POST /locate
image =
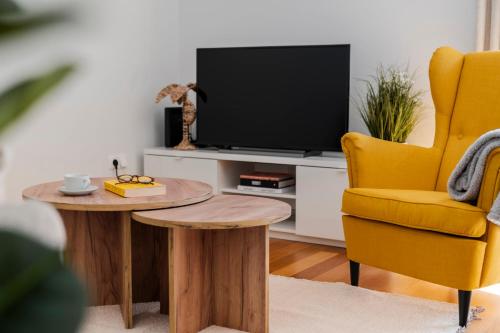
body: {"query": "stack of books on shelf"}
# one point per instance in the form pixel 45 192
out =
pixel 267 182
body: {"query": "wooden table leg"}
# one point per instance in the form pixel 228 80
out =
pixel 99 250
pixel 241 279
pixel 219 277
pixel 150 265
pixel 189 280
pixel 125 269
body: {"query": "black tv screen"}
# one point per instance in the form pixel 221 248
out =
pixel 286 97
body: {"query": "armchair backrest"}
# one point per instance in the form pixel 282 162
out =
pixel 466 94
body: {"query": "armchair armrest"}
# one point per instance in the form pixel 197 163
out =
pixel 383 164
pixel 490 187
pixel 491 181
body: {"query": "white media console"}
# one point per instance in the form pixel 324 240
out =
pixel 320 181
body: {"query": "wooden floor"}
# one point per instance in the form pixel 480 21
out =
pixel 325 263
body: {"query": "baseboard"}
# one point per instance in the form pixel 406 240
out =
pixel 305 239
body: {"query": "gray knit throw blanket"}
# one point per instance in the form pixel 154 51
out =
pixel 465 180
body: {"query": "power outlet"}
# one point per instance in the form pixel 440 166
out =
pixel 120 157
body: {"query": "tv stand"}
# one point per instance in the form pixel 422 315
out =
pixel 270 152
pixel 316 202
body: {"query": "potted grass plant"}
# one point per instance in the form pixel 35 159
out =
pixel 389 109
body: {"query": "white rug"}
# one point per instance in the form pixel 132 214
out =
pixel 302 306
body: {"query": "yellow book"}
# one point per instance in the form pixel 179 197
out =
pixel 134 190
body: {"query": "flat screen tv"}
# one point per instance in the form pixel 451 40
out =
pixel 284 97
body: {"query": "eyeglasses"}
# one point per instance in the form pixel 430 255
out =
pixel 134 179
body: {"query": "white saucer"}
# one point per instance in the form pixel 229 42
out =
pixel 86 191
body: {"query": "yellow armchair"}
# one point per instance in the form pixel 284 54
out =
pixel 398 215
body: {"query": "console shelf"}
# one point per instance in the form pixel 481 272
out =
pixel 320 182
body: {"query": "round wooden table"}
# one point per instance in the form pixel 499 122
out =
pixel 218 262
pixel 180 192
pixel 105 248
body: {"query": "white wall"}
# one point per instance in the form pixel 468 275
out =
pixel 380 32
pixel 125 51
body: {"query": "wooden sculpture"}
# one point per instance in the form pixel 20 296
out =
pixel 179 95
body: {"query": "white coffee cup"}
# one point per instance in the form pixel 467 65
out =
pixel 76 181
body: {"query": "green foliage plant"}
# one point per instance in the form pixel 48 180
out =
pixel 38 293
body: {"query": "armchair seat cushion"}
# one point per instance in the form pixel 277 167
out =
pixel 426 210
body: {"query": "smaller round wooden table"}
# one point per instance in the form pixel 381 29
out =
pixel 218 261
pixel 100 235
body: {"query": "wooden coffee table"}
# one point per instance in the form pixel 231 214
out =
pixel 100 235
pixel 218 262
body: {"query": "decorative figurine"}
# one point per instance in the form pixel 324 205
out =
pixel 179 95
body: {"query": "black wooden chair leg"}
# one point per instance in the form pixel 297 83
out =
pixel 354 269
pixel 463 306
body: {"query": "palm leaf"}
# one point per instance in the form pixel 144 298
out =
pixel 18 23
pixel 14 20
pixel 16 101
